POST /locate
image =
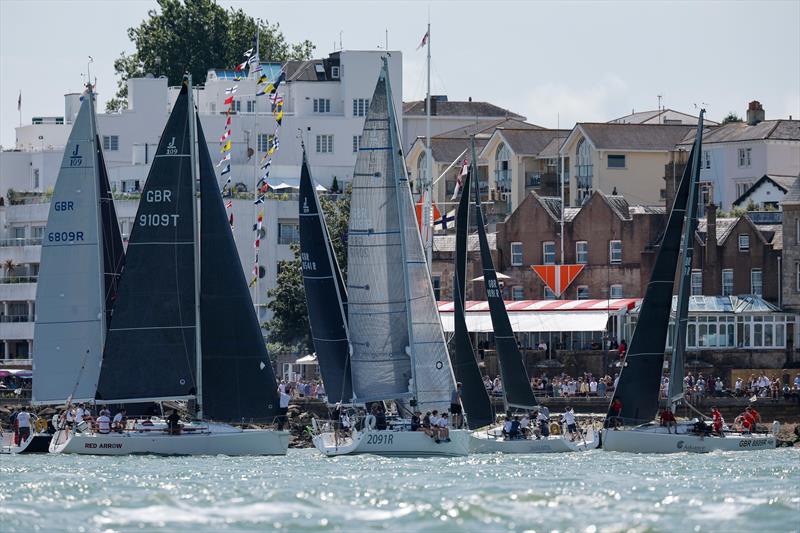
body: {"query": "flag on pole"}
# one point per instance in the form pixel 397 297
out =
pixel 19 102
pixel 225 171
pixel 248 53
pixel 424 39
pixel 228 100
pixel 240 66
pixel 231 90
pixel 226 146
pixel 226 158
pixel 225 136
pixel 229 204
pixel 259 200
pixel 459 180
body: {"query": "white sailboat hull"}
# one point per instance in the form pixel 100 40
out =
pixel 392 443
pixel 655 439
pixel 492 441
pixel 219 439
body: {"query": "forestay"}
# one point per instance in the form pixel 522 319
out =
pixel 150 349
pixel 70 296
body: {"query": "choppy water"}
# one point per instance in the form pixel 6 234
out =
pixel 588 492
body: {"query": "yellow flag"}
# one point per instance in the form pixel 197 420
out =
pixel 226 147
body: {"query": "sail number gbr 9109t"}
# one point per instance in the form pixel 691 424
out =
pixel 156 219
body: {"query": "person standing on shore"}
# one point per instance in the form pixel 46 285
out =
pixel 283 410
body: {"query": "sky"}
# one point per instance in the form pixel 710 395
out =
pixel 556 63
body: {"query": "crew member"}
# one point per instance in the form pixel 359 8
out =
pixel 667 419
pixel 455 407
pixel 718 421
pixel 23 426
pixel 103 423
pixel 173 423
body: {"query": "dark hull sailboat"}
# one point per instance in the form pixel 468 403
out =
pixel 184 326
pixel 326 297
pixel 635 402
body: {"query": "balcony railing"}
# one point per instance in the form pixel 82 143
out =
pixel 533 179
pixel 584 182
pixel 503 179
pixel 5 243
pixel 19 279
pixel 16 318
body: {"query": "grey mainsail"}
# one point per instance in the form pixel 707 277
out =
pixel 399 350
pixel 150 348
pixel 71 292
pixel 324 293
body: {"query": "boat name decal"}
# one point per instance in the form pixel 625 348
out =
pixel 94 445
pixel 755 443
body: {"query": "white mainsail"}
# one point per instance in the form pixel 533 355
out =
pixel 70 300
pixel 399 349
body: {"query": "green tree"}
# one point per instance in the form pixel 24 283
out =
pixel 289 329
pixel 731 117
pixel 195 35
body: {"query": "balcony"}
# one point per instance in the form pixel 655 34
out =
pixel 502 180
pixel 8 243
pixel 18 279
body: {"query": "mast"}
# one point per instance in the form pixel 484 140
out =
pixel 428 183
pixel 98 214
pixel 676 392
pixel 191 117
pixel 402 180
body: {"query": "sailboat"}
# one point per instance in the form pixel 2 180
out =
pixel 630 427
pixel 81 259
pixel 184 327
pixel 326 296
pixel 517 392
pixel 398 348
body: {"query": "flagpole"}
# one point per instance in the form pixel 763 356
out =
pixel 428 183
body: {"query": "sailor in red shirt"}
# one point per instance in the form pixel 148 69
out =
pixel 667 419
pixel 616 411
pixel 756 416
pixel 718 421
pixel 748 421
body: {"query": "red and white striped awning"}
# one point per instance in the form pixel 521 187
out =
pixel 542 315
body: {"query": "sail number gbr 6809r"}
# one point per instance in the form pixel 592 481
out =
pixel 156 219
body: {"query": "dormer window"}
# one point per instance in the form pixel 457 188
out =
pixel 335 73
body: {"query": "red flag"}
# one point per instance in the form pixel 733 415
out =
pixel 228 100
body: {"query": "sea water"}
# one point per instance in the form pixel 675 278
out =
pixel 591 492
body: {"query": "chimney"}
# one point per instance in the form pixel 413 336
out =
pixel 755 113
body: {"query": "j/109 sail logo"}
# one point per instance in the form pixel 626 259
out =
pixel 76 159
pixel 171 148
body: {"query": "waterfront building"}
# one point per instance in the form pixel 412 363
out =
pixel 790 261
pixel 766 193
pixel 661 116
pixel 739 154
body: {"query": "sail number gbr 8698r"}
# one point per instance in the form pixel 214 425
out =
pixel 156 219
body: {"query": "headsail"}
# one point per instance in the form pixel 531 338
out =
pixel 70 298
pixel 238 381
pixel 113 251
pixel 322 281
pixel 465 367
pixel 676 392
pixel 150 348
pixel 516 384
pixel 639 379
pixel 377 313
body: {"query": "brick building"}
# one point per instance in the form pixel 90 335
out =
pixel 790 282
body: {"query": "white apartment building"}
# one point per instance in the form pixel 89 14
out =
pixel 738 154
pixel 325 99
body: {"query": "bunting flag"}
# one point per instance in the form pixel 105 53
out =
pixel 226 147
pixel 225 171
pixel 240 66
pixel 274 89
pixel 230 220
pixel 259 200
pixel 228 101
pixel 459 180
pixel 266 165
pixel 262 79
pixel 248 53
pixel 231 90
pixel 419 206
pixel 226 183
pixel 229 204
pixel 225 136
pixel 228 122
pixel 255 69
pixel 441 222
pixel 226 158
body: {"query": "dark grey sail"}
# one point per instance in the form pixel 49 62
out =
pixel 150 346
pixel 675 391
pixel 476 402
pixel 516 384
pixel 322 281
pixel 238 381
pixel 640 377
pixel 113 251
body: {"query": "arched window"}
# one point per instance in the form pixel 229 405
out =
pixel 584 168
pixel 422 172
pixel 502 171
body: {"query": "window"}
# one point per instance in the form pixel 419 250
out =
pixel 744 242
pixel 35 178
pixel 517 293
pixel 615 252
pixel 797 230
pixel 705 194
pixel 322 105
pixel 548 294
pixel 360 107
pixel 335 73
pixel 502 171
pixel 251 106
pixel 616 161
pixel 697 282
pixel 616 291
pixel 706 159
pixel 18 232
pixel 264 141
pixel 436 279
pixel 37 232
pixel 582 252
pixel 237 106
pixel 548 253
pixel 288 232
pixel 111 143
pixel 516 254
pixel 583 292
pixel 744 157
pixel 727 282
pixel 422 170
pixel 356 143
pixel 756 286
pixel 584 168
pixel 324 144
pixel 797 276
